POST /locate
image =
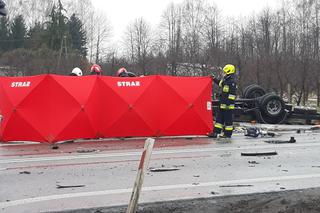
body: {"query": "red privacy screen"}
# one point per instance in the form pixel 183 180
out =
pixel 51 108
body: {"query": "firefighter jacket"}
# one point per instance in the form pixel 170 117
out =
pixel 228 91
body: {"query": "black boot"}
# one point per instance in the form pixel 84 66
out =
pixel 213 135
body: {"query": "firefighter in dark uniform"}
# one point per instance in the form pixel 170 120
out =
pixel 224 115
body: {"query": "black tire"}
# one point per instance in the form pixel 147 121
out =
pixel 274 120
pixel 271 105
pixel 253 91
pixel 263 118
pixel 246 89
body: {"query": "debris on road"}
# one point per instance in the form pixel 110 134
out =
pixel 54 146
pixel 196 176
pixel 163 169
pixel 239 129
pixel 316 127
pixel 255 132
pixel 69 186
pixel 225 155
pixel 252 132
pixel 292 140
pixel 214 193
pixel 176 166
pixel 315 166
pixel 270 134
pixel 253 162
pixel 239 185
pixel 25 172
pixel 258 153
pixel 87 150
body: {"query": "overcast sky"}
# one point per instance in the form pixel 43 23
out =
pixel 122 12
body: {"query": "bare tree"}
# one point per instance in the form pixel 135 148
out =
pixel 316 35
pixel 193 13
pixel 99 32
pixel 139 43
pixel 212 36
pixel 171 35
pixel 38 10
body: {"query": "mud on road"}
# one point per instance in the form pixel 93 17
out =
pixel 296 201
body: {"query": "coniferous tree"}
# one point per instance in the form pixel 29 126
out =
pixel 57 27
pixel 77 35
pixel 4 34
pixel 18 32
pixel 36 36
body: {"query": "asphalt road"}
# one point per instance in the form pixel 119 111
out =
pixel 102 173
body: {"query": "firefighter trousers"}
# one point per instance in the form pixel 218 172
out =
pixel 224 121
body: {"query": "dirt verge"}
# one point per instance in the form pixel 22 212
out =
pixel 297 201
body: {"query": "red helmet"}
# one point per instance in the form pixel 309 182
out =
pixel 122 72
pixel 96 69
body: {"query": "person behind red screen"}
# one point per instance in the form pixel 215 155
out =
pixel 76 72
pixel 122 72
pixel 95 70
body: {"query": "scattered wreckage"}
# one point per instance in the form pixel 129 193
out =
pixel 268 108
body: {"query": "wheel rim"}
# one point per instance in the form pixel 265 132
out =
pixel 274 107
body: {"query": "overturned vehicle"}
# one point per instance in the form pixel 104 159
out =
pixel 256 104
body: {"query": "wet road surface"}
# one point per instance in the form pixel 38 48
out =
pixel 102 173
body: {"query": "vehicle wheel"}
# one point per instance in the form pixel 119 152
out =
pixel 263 118
pixel 275 120
pixel 272 105
pixel 253 91
pixel 246 89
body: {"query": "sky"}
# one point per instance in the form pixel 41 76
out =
pixel 122 12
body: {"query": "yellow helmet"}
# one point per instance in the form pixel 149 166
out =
pixel 229 69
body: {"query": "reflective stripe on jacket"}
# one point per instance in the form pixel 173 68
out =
pixel 228 91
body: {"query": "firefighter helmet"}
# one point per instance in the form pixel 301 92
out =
pixel 77 71
pixel 229 69
pixel 122 72
pixel 96 69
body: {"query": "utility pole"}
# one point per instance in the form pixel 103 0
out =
pixel 64 47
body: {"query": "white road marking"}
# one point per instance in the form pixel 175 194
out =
pixel 159 152
pixel 21 143
pixel 153 188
